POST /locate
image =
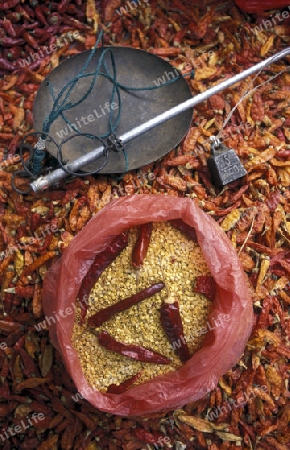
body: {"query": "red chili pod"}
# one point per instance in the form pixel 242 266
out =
pixel 63 6
pixel 9 4
pixel 55 18
pixel 107 313
pixel 145 436
pixel 132 351
pixel 206 285
pixel 72 10
pixel 283 154
pixel 9 28
pixel 11 42
pixel 35 65
pixel 13 16
pixel 32 26
pixel 6 65
pixel 45 37
pixel 123 387
pixel 38 32
pixel 40 16
pixel 30 40
pixel 76 24
pixel 29 50
pixel 9 326
pixel 187 230
pixel 142 244
pixel 29 11
pixel 172 325
pixel 14 53
pixel 29 88
pixel 22 12
pixel 29 366
pixel 101 262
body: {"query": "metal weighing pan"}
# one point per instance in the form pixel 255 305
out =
pixel 135 68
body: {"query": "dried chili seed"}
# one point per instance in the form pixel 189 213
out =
pixel 131 350
pixel 105 314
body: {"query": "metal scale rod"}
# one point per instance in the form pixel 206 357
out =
pixel 43 182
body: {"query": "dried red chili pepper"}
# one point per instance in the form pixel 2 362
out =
pixel 10 41
pixel 172 325
pixel 187 230
pixel 141 246
pixel 283 154
pixel 105 314
pixel 40 16
pixel 21 291
pixel 14 53
pixel 63 6
pixel 55 19
pixel 223 212
pixel 29 88
pixel 206 285
pixel 11 327
pixel 122 387
pixel 19 30
pixel 13 16
pixel 45 36
pixel 274 200
pixel 235 197
pixel 30 40
pixel 29 11
pixel 9 4
pixel 35 65
pixel 30 368
pixel 101 262
pixel 6 65
pixel 169 51
pixel 76 24
pixel 8 27
pixel 131 350
pixel 144 436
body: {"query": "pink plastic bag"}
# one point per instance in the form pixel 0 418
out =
pixel 222 346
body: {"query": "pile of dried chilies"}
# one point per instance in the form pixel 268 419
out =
pixel 217 39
